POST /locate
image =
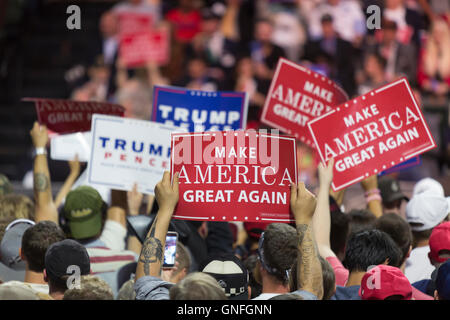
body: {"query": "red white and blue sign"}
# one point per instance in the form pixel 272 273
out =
pixel 199 111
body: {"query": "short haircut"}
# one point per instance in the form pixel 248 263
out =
pixel 280 249
pixel 420 236
pixel 183 259
pixel 91 288
pixel 361 219
pixel 250 263
pixel 369 248
pixel 127 292
pixel 16 206
pixel 197 286
pixel 398 229
pixel 36 240
pixel 328 277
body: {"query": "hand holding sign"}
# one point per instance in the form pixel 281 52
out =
pixel 39 135
pixel 303 202
pixel 167 193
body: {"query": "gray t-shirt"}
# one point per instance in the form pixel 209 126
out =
pixel 152 288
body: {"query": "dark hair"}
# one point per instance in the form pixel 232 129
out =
pixel 421 235
pixel 380 59
pixel 398 229
pixel 250 264
pixel 280 249
pixel 36 240
pixel 360 220
pixel 368 248
pixel 328 277
pixel 339 230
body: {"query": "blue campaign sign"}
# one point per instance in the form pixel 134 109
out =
pixel 199 111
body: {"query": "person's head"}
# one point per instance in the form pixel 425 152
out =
pixel 374 64
pixel 424 211
pixel 385 283
pixel 136 97
pixel 63 259
pixel 440 30
pixel 255 287
pixel 264 30
pixel 277 251
pixel 230 274
pixel 443 282
pixel 197 68
pixel 10 244
pixel 391 194
pixel 439 244
pixel 184 264
pixel 84 211
pixel 399 230
pixel 369 248
pixel 328 277
pixel 108 24
pixel 16 206
pixel 35 242
pixel 361 219
pixel 327 26
pixel 5 185
pixel 127 292
pixel 197 286
pixel 90 288
pixel 254 231
pixel 340 229
pixel 389 31
pixel 210 21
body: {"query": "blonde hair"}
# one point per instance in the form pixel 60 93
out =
pixel 197 286
pixel 12 207
pixel 91 288
pixel 437 51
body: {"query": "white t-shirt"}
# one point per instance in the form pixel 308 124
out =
pixel 418 266
pixel 266 296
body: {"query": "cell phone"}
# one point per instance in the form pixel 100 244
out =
pixel 170 249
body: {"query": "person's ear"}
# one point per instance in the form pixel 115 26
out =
pixel 257 272
pixel 22 256
pixel 409 251
pixel 386 262
pixel 436 295
pixel 249 292
pixel 45 276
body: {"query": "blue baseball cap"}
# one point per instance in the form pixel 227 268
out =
pixel 443 281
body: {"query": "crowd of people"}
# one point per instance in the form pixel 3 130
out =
pixel 82 245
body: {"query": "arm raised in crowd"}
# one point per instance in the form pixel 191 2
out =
pixel 74 166
pixel 44 205
pixel 152 253
pixel 309 269
pixel 372 194
pixel 322 219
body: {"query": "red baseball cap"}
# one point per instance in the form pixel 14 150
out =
pixel 384 281
pixel 439 240
pixel 254 229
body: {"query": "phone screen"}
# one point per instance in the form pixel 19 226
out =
pixel 170 250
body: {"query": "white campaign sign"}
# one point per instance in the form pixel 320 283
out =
pixel 66 146
pixel 127 151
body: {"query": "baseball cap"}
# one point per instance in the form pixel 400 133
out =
pixel 60 255
pixel 390 190
pixel 426 210
pixel 5 185
pixel 428 185
pixel 443 281
pixel 439 240
pixel 11 243
pixel 83 210
pixel 255 229
pixel 384 281
pixel 231 275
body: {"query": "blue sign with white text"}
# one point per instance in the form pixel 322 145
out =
pixel 199 111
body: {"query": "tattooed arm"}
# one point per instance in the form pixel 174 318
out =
pixel 152 253
pixel 309 269
pixel 44 205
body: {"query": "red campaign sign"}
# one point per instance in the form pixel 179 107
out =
pixel 372 133
pixel 67 116
pixel 298 95
pixel 234 175
pixel 131 22
pixel 137 49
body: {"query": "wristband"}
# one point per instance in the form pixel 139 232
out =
pixel 372 191
pixel 39 151
pixel 373 197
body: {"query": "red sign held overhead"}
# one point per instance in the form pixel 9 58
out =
pixel 298 95
pixel 372 133
pixel 67 116
pixel 234 176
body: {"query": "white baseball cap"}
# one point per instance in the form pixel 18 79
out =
pixel 428 185
pixel 426 210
